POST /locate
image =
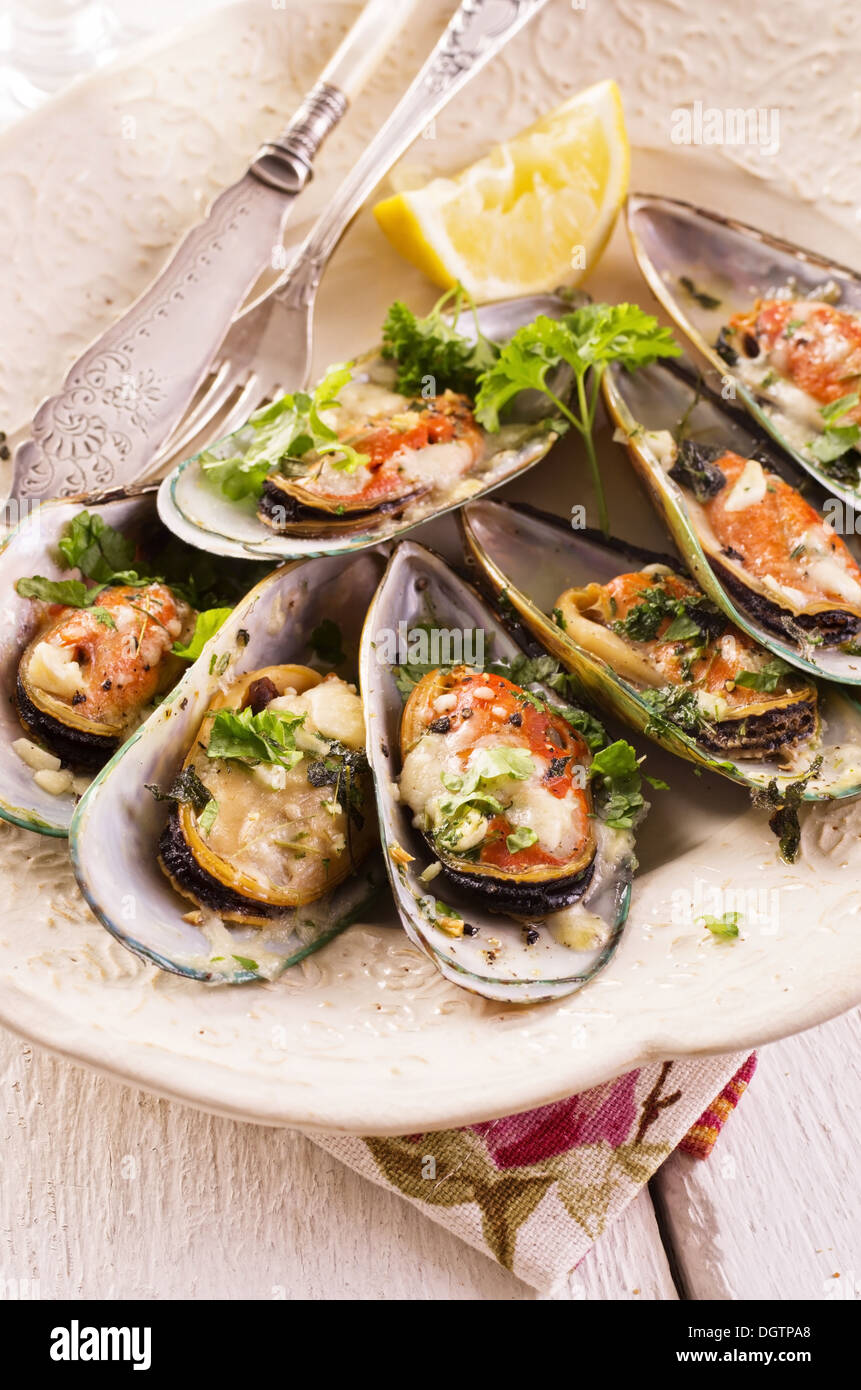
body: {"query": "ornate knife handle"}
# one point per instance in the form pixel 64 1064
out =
pixel 476 33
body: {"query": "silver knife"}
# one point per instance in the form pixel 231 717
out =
pixel 123 397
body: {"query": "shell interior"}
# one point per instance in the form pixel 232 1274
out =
pixel 198 512
pixel 419 589
pixel 704 267
pixel 115 833
pixel 653 400
pixel 504 540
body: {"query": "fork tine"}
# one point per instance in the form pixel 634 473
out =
pixel 224 382
pixel 234 412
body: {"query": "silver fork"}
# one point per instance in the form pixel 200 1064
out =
pixel 268 347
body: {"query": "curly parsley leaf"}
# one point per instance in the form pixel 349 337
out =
pixel 98 550
pixel 430 349
pixel 588 339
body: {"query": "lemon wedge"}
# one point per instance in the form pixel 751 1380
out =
pixel 534 213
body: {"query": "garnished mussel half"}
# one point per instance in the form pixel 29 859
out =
pixel 782 323
pixel 277 805
pixel 744 519
pixel 81 661
pixel 506 862
pixel 646 644
pixel 239 821
pixel 396 454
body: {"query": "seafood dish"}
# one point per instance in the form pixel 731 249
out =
pixel 646 644
pixel 107 612
pixel 251 839
pixel 379 445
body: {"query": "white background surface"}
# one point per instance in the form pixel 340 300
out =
pixel 109 1192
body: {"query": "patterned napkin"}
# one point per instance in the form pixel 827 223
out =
pixel 535 1190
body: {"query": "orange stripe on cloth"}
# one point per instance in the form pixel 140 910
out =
pixel 702 1137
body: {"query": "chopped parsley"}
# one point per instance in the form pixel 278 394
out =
pixel 767 678
pixel 725 926
pixel 617 785
pixel 705 301
pixel 267 737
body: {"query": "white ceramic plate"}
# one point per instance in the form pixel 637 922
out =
pixel 366 1035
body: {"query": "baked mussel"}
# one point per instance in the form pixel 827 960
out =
pixel 757 533
pixel 103 611
pixel 497 782
pixel 507 863
pixel 234 832
pixel 644 643
pixel 276 803
pixel 780 322
pixel 381 444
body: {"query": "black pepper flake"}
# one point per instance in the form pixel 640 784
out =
pixel 531 936
pixel 183 702
pixel 243 637
pixel 556 768
pixel 469 929
pixel 79 698
pixel 384 748
pixel 750 345
pixel 106 684
pixel 516 719
pixel 441 725
pixel 4 451
pixel 467 713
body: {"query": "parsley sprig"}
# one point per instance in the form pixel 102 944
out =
pixel 431 348
pixel 585 341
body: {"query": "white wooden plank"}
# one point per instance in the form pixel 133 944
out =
pixel 110 1193
pixel 774 1213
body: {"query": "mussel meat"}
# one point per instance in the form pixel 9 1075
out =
pixel 658 631
pixel 735 508
pixel 274 804
pixel 85 677
pixel 498 784
pixel 409 449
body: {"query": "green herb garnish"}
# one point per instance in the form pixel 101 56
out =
pixel 431 355
pixel 267 737
pixel 287 430
pixel 725 926
pixel 585 340
pixel 208 623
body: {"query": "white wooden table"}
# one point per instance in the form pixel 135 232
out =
pixel 110 1193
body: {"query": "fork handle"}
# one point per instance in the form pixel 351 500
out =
pixel 475 34
pixel 285 163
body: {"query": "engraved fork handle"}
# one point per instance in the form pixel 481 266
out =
pixel 476 33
